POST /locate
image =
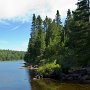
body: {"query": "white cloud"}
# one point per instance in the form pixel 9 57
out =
pixel 14 28
pixel 4 22
pixel 25 8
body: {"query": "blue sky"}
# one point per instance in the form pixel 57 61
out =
pixel 15 19
pixel 14 35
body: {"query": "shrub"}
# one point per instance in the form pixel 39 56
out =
pixel 47 69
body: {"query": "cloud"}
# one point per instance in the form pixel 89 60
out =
pixel 23 9
pixel 4 22
pixel 14 28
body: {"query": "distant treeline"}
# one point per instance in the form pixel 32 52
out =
pixel 11 55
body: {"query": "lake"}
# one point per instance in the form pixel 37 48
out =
pixel 14 77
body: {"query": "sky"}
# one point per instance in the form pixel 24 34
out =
pixel 16 18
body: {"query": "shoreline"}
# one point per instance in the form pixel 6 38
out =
pixel 66 78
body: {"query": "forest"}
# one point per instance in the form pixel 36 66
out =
pixel 56 46
pixel 6 55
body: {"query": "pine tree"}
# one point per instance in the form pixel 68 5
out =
pixel 67 25
pixel 80 33
pixel 39 40
pixel 33 28
pixel 68 46
pixel 45 23
pixel 58 18
pixel 30 54
pixel 82 11
pixel 53 38
pixel 48 34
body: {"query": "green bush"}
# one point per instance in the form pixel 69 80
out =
pixel 47 69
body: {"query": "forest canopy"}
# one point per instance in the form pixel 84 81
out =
pixel 67 45
pixel 11 55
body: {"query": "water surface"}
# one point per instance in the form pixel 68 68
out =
pixel 48 84
pixel 13 77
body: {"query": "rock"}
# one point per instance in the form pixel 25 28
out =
pixel 34 78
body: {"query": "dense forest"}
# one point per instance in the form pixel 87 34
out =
pixel 11 55
pixel 53 45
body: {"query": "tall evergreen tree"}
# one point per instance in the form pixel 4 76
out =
pixel 48 34
pixel 33 28
pixel 39 40
pixel 68 45
pixel 45 23
pixel 30 54
pixel 68 25
pixel 82 11
pixel 81 30
pixel 58 18
pixel 53 38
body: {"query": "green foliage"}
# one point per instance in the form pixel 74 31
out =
pixel 68 45
pixel 79 37
pixel 82 11
pixel 11 55
pixel 47 69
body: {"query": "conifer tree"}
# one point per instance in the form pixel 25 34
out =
pixel 81 31
pixel 45 23
pixel 82 11
pixel 39 40
pixel 67 25
pixel 58 18
pixel 30 54
pixel 68 46
pixel 48 34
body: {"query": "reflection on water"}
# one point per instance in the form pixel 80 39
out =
pixel 12 77
pixel 49 84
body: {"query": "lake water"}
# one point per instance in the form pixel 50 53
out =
pixel 13 77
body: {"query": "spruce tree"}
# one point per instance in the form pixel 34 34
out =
pixel 39 40
pixel 58 18
pixel 30 54
pixel 48 29
pixel 82 11
pixel 81 31
pixel 68 25
pixel 45 23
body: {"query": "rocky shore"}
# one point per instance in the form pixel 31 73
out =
pixel 77 76
pixel 81 75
